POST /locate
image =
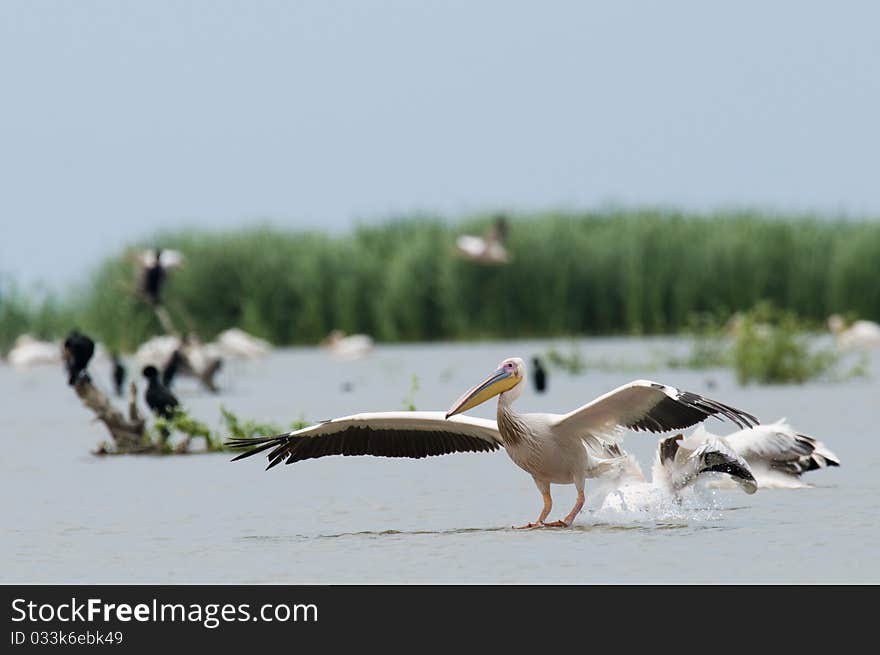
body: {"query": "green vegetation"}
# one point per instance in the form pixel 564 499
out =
pixel 236 428
pixel 572 362
pixel 186 425
pixel 409 403
pixel 771 347
pixel 765 345
pixel 615 272
pixel 159 436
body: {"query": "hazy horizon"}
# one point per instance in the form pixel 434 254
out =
pixel 121 119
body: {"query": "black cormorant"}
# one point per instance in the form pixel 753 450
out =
pixel 78 350
pixel 539 375
pixel 159 398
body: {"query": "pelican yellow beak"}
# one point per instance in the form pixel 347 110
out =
pixel 499 382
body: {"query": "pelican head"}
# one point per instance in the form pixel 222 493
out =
pixel 509 375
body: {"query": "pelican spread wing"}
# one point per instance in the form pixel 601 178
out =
pixel 646 405
pixel 779 446
pixel 383 434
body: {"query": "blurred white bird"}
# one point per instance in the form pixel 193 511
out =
pixel 28 351
pixel 352 346
pixel 235 343
pixel 486 250
pixel 859 335
pixel 156 351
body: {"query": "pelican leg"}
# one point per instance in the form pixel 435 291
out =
pixel 568 520
pixel 544 488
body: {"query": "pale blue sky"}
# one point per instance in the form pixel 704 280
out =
pixel 120 117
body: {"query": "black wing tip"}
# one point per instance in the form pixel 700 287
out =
pixel 254 444
pixel 685 409
pixel 714 408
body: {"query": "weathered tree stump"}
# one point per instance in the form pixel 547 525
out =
pixel 128 433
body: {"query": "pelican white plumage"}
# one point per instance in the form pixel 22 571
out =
pixel 28 351
pixel 195 358
pixel 553 448
pixel 488 249
pixel 235 343
pixel 156 351
pixel 860 335
pixel 351 346
pixel 678 464
pixel 776 452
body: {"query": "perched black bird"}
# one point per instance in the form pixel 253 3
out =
pixel 154 266
pixel 171 368
pixel 154 278
pixel 119 373
pixel 78 350
pixel 161 401
pixel 539 375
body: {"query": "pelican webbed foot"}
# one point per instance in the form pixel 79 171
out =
pixel 557 524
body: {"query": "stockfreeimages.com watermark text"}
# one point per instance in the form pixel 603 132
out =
pixel 209 615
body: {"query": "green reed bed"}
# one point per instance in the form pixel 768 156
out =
pixel 614 272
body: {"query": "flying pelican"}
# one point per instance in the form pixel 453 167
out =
pixel 486 250
pixel 553 448
pixel 861 334
pixel 776 452
pixel 678 464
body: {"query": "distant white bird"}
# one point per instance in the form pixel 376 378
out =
pixel 859 335
pixel 28 351
pixel 352 346
pixel 172 355
pixel 235 343
pixel 776 452
pixel 486 250
pixel 678 464
pixel 553 448
pixel 156 351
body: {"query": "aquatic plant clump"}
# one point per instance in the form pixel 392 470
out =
pixel 772 347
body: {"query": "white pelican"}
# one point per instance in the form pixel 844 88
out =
pixel 29 351
pixel 238 344
pixel 553 448
pixel 154 265
pixel 486 250
pixel 157 351
pixel 352 346
pixel 199 360
pixel 776 452
pixel 678 464
pixel 861 334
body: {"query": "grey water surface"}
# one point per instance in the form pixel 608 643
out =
pixel 72 517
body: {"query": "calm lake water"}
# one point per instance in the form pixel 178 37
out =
pixel 71 517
